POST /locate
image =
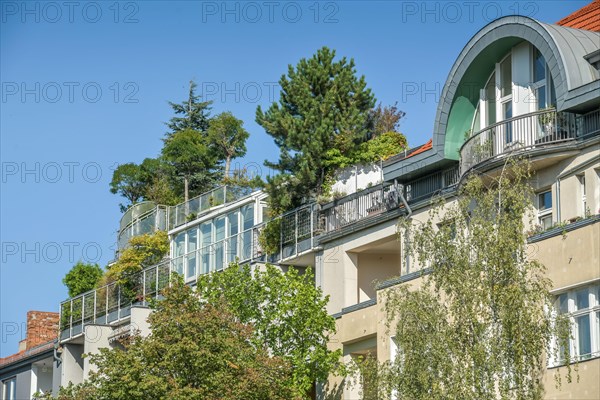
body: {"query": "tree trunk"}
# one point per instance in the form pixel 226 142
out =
pixel 186 196
pixel 227 166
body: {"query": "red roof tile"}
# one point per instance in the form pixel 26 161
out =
pixel 587 18
pixel 425 147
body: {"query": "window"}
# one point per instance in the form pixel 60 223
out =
pixel 582 192
pixel 219 246
pixel 205 246
pixel 545 209
pixel 178 252
pixel 583 307
pixel 490 100
pixel 213 244
pixel 9 388
pixel 232 234
pixel 542 80
pixel 506 77
pixel 191 258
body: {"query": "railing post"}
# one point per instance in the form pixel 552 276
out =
pixel 82 312
pixel 312 226
pixel 106 306
pixel 71 319
pixel 95 305
pixel 296 232
pixel 118 301
pixel 144 287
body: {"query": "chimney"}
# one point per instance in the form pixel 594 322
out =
pixel 42 327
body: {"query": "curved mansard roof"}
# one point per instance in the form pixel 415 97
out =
pixel 563 48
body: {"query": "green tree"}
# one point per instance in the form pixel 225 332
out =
pixel 160 185
pixel 143 251
pixel 384 119
pixel 192 159
pixel 82 278
pixel 228 135
pixel 127 181
pixel 323 105
pixel 288 314
pixel 481 324
pixel 196 351
pixel 194 114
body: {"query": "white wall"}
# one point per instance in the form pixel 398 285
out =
pixel 72 364
pixel 349 179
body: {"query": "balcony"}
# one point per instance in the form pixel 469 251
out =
pixel 300 232
pixel 526 132
pixel 199 205
pixel 139 219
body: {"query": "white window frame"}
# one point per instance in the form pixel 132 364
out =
pixel 593 311
pixel 535 85
pixel 582 193
pixel 12 381
pixel 543 214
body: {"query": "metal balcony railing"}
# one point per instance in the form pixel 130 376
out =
pixel 357 206
pixel 141 219
pixel 111 303
pixel 526 132
pixel 298 232
pixel 195 207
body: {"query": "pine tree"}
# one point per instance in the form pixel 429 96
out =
pixel 323 106
pixel 194 113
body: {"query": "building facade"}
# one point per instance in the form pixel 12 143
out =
pixel 519 87
pixel 31 370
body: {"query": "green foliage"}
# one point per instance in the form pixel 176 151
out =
pixel 365 372
pixel 82 278
pixel 288 314
pixel 385 119
pixel 381 147
pixel 192 160
pixel 151 180
pixel 481 324
pixel 191 157
pixel 196 350
pixel 127 182
pixel 323 105
pixel 270 237
pixel 194 113
pixel 143 251
pixel 227 134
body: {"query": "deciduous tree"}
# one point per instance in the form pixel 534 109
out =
pixel 482 323
pixel 197 350
pixel 288 314
pixel 227 134
pixel 82 278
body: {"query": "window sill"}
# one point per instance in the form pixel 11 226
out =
pixel 590 357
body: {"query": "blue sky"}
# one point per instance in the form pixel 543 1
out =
pixel 85 87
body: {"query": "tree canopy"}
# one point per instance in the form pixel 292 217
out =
pixel 197 350
pixel 82 278
pixel 192 158
pixel 190 114
pixel 227 134
pixel 287 313
pixel 143 251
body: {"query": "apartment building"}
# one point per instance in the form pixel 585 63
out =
pixel 519 87
pixel 31 369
